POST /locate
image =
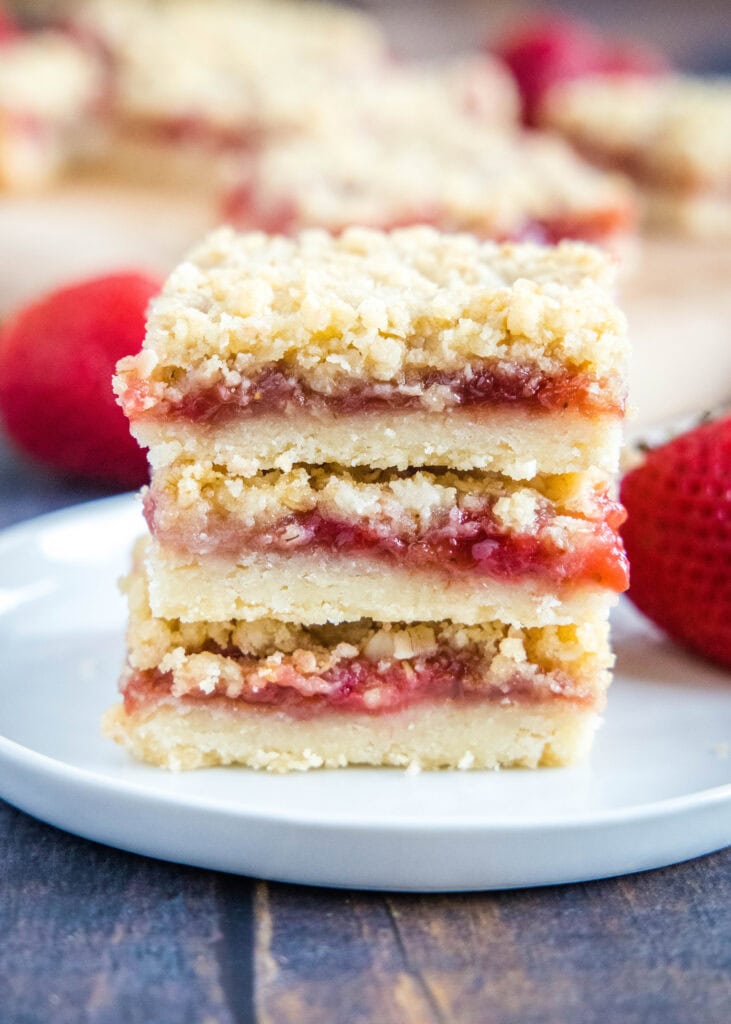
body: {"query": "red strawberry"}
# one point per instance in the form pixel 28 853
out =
pixel 8 29
pixel 678 538
pixel 57 357
pixel 549 49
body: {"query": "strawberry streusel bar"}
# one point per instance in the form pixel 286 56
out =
pixel 50 90
pixel 396 350
pixel 672 135
pixel 382 522
pixel 457 175
pixel 199 80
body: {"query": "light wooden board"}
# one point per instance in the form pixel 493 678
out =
pixel 678 298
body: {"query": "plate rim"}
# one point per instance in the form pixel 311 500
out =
pixel 11 751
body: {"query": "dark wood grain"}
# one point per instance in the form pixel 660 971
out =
pixel 89 935
pixel 647 949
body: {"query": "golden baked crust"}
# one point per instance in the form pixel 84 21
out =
pixel 316 587
pixel 506 439
pixel 447 735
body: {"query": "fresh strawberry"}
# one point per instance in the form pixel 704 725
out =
pixel 57 357
pixel 8 29
pixel 678 538
pixel 548 49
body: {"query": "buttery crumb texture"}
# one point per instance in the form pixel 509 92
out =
pixel 51 89
pixel 453 172
pixel 258 65
pixel 411 501
pixel 375 308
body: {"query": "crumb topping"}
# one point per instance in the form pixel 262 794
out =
pixel 674 130
pixel 416 98
pixel 447 170
pixel 263 62
pixel 406 503
pixel 374 307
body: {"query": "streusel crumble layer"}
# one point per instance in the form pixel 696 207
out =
pixel 227 70
pixel 418 98
pixel 252 324
pixel 204 148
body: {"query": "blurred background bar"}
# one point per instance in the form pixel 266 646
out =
pixel 695 35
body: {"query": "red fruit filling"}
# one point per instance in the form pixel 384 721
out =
pixel 362 686
pixel 196 130
pixel 457 542
pixel 598 227
pixel 276 391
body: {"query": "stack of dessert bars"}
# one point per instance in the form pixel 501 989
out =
pixel 382 521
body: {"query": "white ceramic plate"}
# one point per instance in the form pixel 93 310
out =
pixel 657 789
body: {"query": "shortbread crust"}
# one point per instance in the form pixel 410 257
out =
pixel 316 588
pixel 429 737
pixel 509 441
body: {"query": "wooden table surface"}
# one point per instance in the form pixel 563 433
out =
pixel 90 935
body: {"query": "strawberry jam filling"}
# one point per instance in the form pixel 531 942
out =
pixel 358 685
pixel 456 542
pixel 274 391
pixel 194 130
pixel 597 226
